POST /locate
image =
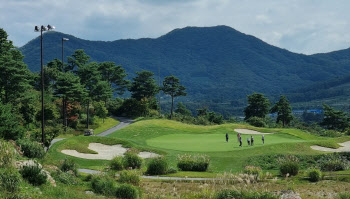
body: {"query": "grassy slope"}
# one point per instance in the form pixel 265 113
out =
pixel 159 136
pixel 148 132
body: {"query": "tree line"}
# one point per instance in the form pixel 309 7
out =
pixel 75 93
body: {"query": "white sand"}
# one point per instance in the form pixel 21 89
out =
pixel 250 132
pixel 345 147
pixel 105 152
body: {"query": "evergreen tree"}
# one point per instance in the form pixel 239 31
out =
pixel 181 109
pixel 10 128
pixel 335 120
pixel 283 110
pixel 114 75
pixel 78 59
pixel 15 77
pixel 172 87
pixel 101 110
pixel 143 86
pixel 258 106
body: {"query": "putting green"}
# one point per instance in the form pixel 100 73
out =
pixel 215 142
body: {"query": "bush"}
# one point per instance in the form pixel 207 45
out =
pixel 127 191
pixel 289 165
pixel 33 174
pixel 257 121
pixel 252 170
pixel 116 163
pixel 132 160
pixel 225 194
pixel 103 184
pixel 193 163
pixel 345 195
pixel 10 179
pixel 69 165
pixel 157 166
pixel 291 168
pixel 67 178
pixel 130 176
pixel 314 175
pixel 334 162
pixel 172 170
pixel 31 149
pixel 7 154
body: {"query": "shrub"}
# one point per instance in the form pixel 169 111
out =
pixel 257 121
pixel 7 154
pixel 157 166
pixel 33 174
pixel 10 179
pixel 314 175
pixel 252 170
pixel 291 168
pixel 127 191
pixel 69 165
pixel 129 176
pixel 225 194
pixel 345 195
pixel 193 163
pixel 67 178
pixel 31 149
pixel 334 162
pixel 103 184
pixel 132 160
pixel 116 163
pixel 289 165
pixel 172 170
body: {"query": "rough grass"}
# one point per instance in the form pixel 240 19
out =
pixel 109 123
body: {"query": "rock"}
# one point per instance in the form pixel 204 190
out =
pixel 290 195
pixel 22 163
pixel 89 192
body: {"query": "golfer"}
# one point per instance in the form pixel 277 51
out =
pixel 240 141
pixel 263 139
pixel 248 141
pixel 251 141
pixel 226 137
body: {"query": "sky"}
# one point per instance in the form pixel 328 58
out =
pixel 301 26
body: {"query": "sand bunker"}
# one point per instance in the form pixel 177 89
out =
pixel 105 152
pixel 345 147
pixel 250 132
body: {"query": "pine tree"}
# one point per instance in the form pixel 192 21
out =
pixel 283 110
pixel 172 87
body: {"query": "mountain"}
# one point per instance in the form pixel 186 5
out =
pixel 217 63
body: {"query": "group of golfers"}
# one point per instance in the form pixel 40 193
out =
pixel 249 141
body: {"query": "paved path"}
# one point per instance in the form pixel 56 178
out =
pixel 123 123
pixel 90 171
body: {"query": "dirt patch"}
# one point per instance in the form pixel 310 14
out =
pixel 250 132
pixel 105 152
pixel 345 147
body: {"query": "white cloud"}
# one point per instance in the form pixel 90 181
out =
pixel 303 26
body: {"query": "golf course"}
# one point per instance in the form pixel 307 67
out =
pixel 172 138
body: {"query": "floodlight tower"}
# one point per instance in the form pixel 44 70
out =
pixel 41 29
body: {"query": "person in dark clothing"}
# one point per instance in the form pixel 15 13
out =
pixel 251 141
pixel 248 141
pixel 263 139
pixel 240 141
pixel 226 137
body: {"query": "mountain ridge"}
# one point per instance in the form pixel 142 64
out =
pixel 218 63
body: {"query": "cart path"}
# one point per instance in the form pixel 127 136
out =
pixel 123 123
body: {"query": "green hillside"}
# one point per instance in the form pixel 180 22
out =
pixel 218 65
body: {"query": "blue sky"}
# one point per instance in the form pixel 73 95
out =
pixel 302 26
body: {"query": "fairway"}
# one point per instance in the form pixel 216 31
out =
pixel 215 142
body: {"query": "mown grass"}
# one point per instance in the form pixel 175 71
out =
pixel 172 138
pixel 178 138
